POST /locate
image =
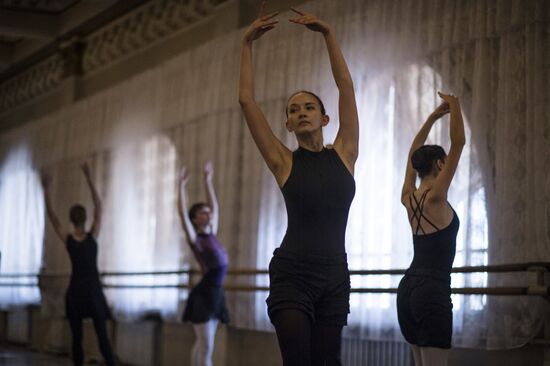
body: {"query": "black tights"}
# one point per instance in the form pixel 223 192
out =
pixel 304 344
pixel 100 326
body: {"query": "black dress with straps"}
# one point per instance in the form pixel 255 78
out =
pixel 424 306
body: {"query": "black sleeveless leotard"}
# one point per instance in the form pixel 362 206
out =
pixel 84 297
pixel 309 271
pixel 318 195
pixel 424 306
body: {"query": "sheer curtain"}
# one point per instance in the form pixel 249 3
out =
pixel 490 53
pixel 400 53
pixel 21 226
pixel 141 229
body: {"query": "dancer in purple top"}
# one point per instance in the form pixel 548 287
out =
pixel 206 302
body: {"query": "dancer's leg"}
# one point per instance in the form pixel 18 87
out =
pixel 417 355
pixel 432 356
pixel 205 333
pixel 294 334
pixel 326 343
pixel 100 326
pixel 76 331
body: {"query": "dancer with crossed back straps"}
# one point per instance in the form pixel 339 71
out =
pixel 424 306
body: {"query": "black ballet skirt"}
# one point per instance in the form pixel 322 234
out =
pixel 84 297
pixel 207 300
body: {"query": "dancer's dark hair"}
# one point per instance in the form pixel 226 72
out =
pixel 77 215
pixel 424 158
pixel 196 208
pixel 323 111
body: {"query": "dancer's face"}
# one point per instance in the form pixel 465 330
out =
pixel 439 164
pixel 304 114
pixel 203 217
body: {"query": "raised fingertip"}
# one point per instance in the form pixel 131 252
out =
pixel 296 10
pixel 267 17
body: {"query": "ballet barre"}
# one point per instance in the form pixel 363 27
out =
pixel 539 288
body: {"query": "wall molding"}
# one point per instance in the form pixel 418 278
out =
pixel 124 37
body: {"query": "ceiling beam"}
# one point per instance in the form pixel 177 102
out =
pixel 6 54
pixel 28 25
pixel 81 12
pixel 27 47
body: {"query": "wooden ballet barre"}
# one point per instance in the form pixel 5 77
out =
pixel 117 286
pixel 17 275
pixel 152 273
pixel 495 268
pixel 535 290
pixel 247 272
pixel 503 291
pixel 499 268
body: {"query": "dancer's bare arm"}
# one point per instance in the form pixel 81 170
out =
pixel 347 139
pixel 57 226
pixel 96 223
pixel 409 185
pixel 211 196
pixel 182 208
pixel 458 140
pixel 277 156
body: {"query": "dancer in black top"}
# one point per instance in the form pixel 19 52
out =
pixel 84 297
pixel 308 301
pixel 424 305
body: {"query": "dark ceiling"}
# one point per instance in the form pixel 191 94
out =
pixel 29 29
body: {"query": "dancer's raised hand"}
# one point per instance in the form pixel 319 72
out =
pixel 449 98
pixel 86 169
pixel 184 176
pixel 441 110
pixel 45 179
pixel 262 24
pixel 208 171
pixel 310 21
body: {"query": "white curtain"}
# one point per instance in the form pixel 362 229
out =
pixel 21 227
pixel 140 233
pixel 491 53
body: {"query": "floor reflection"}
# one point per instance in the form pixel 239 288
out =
pixel 14 356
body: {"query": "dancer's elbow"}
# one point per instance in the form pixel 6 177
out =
pixel 245 99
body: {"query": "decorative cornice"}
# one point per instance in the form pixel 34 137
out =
pixel 142 28
pixel 38 6
pixel 147 25
pixel 33 82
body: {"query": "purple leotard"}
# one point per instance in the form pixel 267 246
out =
pixel 206 300
pixel 211 255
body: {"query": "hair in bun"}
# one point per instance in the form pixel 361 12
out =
pixel 424 158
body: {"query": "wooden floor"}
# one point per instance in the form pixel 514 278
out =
pixel 14 356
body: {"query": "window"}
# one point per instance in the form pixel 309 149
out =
pixel 21 226
pixel 378 233
pixel 144 231
pixel 391 109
